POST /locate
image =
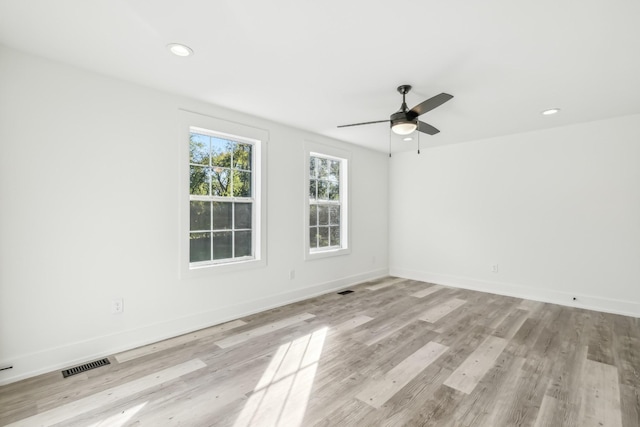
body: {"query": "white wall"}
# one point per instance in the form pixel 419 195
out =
pixel 557 210
pixel 89 190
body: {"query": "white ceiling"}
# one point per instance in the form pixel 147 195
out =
pixel 318 64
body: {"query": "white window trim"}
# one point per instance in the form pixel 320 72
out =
pixel 239 132
pixel 327 151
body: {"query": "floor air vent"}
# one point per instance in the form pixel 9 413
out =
pixel 344 292
pixel 86 367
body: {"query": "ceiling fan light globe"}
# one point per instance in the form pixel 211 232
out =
pixel 403 128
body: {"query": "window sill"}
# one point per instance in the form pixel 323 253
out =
pixel 326 254
pixel 215 269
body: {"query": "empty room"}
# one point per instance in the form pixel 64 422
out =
pixel 296 213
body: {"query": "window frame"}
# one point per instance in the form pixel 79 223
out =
pixel 313 149
pixel 244 134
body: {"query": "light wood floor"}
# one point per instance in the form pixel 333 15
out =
pixel 393 353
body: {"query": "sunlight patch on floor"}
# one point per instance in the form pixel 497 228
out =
pixel 282 394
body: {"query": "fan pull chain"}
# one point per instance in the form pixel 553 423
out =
pixel 389 147
pixel 418 145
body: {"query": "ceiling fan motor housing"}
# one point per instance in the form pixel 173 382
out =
pixel 402 117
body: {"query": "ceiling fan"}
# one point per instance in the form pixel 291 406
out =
pixel 405 121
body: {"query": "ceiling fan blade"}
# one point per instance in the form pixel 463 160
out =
pixel 365 123
pixel 428 129
pixel 428 105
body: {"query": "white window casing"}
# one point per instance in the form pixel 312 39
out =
pixel 324 230
pixel 241 136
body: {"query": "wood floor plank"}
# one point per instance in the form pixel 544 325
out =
pixel 396 319
pixel 530 305
pixel 483 312
pixel 352 365
pixel 213 397
pixel 423 399
pixel 428 291
pixel 385 284
pixel 392 329
pixel 350 324
pixel 437 313
pixel 536 372
pixel 600 396
pixel 528 394
pixel 128 411
pixel 565 378
pixel 348 414
pixel 201 408
pixel 511 324
pixel 547 412
pixel 626 350
pixel 379 391
pixel 262 330
pixel 72 409
pixel 497 394
pixel 469 373
pixel 524 338
pixel 174 342
pixel 601 337
pixel 630 405
pixel 25 400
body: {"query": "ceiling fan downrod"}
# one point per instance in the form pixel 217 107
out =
pixel 404 89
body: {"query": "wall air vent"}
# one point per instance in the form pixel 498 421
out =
pixel 86 367
pixel 345 292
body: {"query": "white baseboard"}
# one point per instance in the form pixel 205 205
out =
pixel 68 355
pixel 588 302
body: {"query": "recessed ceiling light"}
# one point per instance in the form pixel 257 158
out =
pixel 180 49
pixel 550 111
pixel 407 139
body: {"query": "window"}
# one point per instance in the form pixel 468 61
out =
pixel 221 198
pixel 327 205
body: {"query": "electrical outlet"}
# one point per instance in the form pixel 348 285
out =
pixel 292 274
pixel 494 268
pixel 117 305
pixel 373 260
